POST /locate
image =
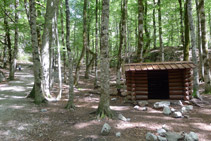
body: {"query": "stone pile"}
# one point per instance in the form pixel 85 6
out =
pixel 164 135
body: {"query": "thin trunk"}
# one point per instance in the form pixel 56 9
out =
pixel 140 31
pixel 96 44
pixel 56 34
pixel 70 103
pixel 194 53
pixel 205 56
pixel 181 24
pixel 104 104
pixel 63 42
pixel 210 25
pixel 154 25
pixel 88 42
pixel 146 29
pixel 187 35
pixel 76 79
pixel 39 98
pixel 160 32
pixel 201 66
pixel 5 52
pixel 15 52
pixel 122 44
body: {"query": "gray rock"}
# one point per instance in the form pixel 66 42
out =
pixel 43 110
pixel 165 127
pixel 151 137
pixel 142 103
pixel 184 110
pixel 189 107
pixel 161 131
pixel 136 107
pixel 180 103
pixel 177 114
pixel 118 134
pixel 173 136
pixel 191 137
pixel 173 110
pixel 144 108
pixel 166 110
pixel 106 129
pixel 161 104
pixel 121 117
pixel 161 138
pixel 114 99
pixel 2 77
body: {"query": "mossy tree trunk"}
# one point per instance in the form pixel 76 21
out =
pixel 104 104
pixel 194 53
pixel 187 35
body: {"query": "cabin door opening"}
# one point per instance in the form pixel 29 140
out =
pixel 158 87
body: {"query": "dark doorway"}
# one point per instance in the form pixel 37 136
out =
pixel 158 87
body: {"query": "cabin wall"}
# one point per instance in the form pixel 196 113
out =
pixel 180 84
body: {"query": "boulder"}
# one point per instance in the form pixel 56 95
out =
pixel 161 131
pixel 43 110
pixel 121 117
pixel 106 129
pixel 166 110
pixel 161 104
pixel 173 110
pixel 140 108
pixel 173 136
pixel 118 134
pixel 177 114
pixel 142 103
pixel 151 137
pixel 191 137
pixel 184 110
pixel 114 99
pixel 189 107
pixel 136 107
pixel 161 138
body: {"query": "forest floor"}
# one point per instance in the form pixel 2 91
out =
pixel 22 120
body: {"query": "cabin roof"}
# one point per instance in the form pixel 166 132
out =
pixel 159 66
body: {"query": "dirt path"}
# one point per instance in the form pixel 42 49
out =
pixel 21 120
pixel 16 117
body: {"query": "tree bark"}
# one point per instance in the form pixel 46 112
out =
pixel 52 7
pixel 70 103
pixel 187 34
pixel 84 43
pixel 15 51
pixel 122 45
pixel 140 30
pixel 104 104
pixel 181 23
pixel 205 56
pixel 160 32
pixel 201 66
pixel 39 98
pixel 154 25
pixel 194 53
pixel 96 44
pixel 147 45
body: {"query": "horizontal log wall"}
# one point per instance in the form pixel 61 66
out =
pixel 180 84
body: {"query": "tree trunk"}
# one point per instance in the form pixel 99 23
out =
pixel 104 104
pixel 84 43
pixel 147 45
pixel 39 98
pixel 15 52
pixel 5 52
pixel 201 66
pixel 56 34
pixel 205 56
pixel 187 34
pixel 52 7
pixel 194 53
pixel 63 42
pixel 160 32
pixel 122 44
pixel 154 25
pixel 70 103
pixel 181 23
pixel 140 31
pixel 96 44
